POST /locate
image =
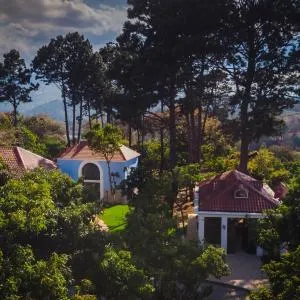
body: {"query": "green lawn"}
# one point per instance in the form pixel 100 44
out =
pixel 114 217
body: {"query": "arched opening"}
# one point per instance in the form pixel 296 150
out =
pixel 92 180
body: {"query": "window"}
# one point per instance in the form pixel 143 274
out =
pixel 90 172
pixel 241 192
pixel 91 177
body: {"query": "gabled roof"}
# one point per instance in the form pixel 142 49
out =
pixel 218 194
pixel 82 151
pixel 19 160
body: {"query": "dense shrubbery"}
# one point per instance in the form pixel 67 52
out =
pixel 40 135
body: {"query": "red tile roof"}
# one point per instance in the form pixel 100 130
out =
pixel 218 194
pixel 19 160
pixel 81 151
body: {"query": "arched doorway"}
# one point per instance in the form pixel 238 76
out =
pixel 91 174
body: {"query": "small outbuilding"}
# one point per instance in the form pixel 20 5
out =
pixel 227 208
pixel 80 161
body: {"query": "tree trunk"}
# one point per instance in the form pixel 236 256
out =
pixel 162 146
pixel 102 119
pixel 15 113
pixel 173 159
pixel 243 167
pixel 194 143
pixel 189 138
pixel 73 121
pixel 172 132
pixel 142 130
pixel 129 133
pixel 109 115
pixel 138 136
pixel 245 138
pixel 80 120
pixel 89 114
pixel 66 115
pixel 199 136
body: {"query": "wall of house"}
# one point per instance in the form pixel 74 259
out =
pixel 72 167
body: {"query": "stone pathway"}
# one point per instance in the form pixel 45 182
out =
pixel 100 225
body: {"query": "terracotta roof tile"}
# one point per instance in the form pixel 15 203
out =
pixel 81 151
pixel 217 194
pixel 12 160
pixel 18 160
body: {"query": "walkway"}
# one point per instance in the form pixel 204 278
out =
pixel 222 292
pixel 245 271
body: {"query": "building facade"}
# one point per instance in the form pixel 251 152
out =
pixel 79 161
pixel 227 209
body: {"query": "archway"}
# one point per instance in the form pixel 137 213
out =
pixel 92 178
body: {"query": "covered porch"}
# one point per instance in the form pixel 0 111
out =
pixel 232 231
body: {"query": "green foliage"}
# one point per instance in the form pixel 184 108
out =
pixel 188 175
pixel 265 166
pixel 283 153
pixel 30 141
pixel 49 212
pixel 179 268
pixel 47 136
pixel 282 224
pixel 4 172
pixel 26 206
pixel 64 62
pixel 106 140
pixel 122 278
pixel 284 277
pixel 151 151
pixel 15 81
pixel 41 135
pixel 262 293
pixel 22 275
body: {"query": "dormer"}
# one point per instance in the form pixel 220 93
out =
pixel 241 192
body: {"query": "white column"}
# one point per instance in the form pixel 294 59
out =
pixel 224 230
pixel 201 228
pixel 196 198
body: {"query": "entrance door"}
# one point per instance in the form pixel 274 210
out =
pixel 237 235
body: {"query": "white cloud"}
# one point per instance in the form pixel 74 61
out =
pixel 28 24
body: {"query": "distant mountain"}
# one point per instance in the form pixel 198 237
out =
pixel 53 109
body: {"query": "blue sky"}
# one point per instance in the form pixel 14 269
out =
pixel 26 25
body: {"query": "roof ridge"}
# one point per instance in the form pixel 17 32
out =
pixel 16 150
pixel 120 149
pixel 34 154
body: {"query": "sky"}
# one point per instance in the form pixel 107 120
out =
pixel 26 25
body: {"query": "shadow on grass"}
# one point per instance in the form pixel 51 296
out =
pixel 119 227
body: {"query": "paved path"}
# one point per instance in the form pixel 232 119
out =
pixel 222 292
pixel 245 271
pixel 100 225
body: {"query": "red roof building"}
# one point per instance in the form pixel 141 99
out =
pixel 227 207
pixel 19 160
pixel 82 151
pixel 234 191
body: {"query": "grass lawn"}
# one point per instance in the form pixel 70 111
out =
pixel 114 217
